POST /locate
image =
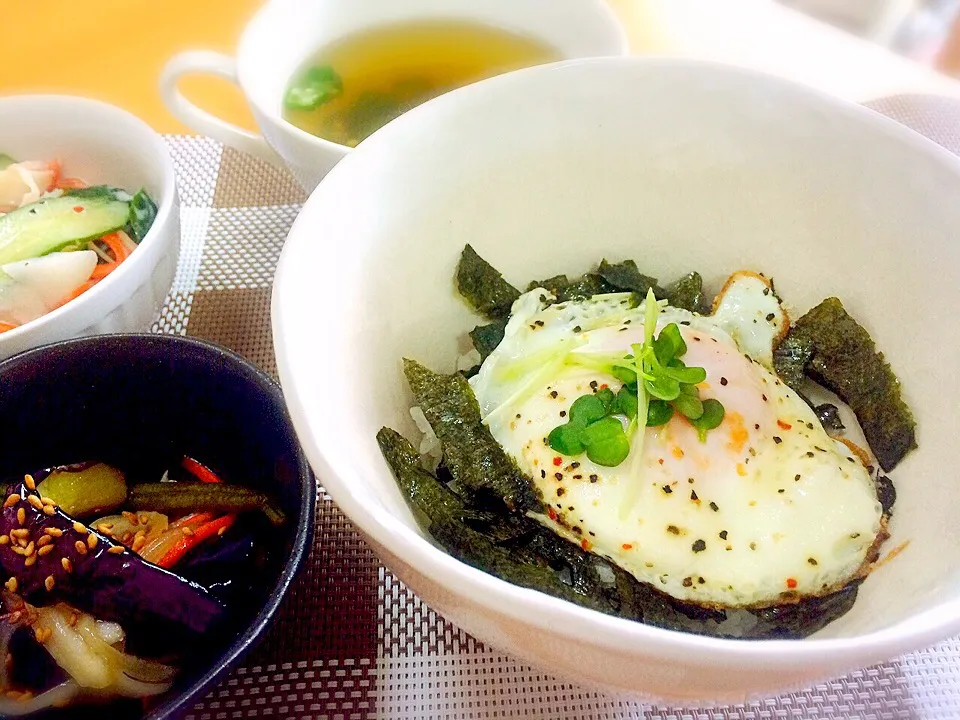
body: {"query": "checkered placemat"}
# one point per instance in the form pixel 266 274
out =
pixel 351 641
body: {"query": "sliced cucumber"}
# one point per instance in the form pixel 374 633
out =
pixel 59 223
pixel 6 161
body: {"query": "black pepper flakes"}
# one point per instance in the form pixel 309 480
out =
pixel 766 291
pixel 667 489
pixel 576 328
pixel 781 491
pixel 723 534
pixel 693 496
pixel 553 394
pixel 753 546
pixel 594 385
pixel 574 465
pixel 560 491
pixel 770 316
pixel 796 478
pixel 538 323
pixel 543 473
pixel 673 529
pixel 812 561
pixel 578 477
pixel 777 439
pixel 764 398
pixel 809 426
pixel 687 582
pixel 809 453
pixel 723 381
pixel 594 478
pixel 756 426
pixel 714 507
pixel 701 580
pixel 558 476
pixel 576 530
pixel 699 546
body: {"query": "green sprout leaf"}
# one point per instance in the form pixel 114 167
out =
pixel 712 416
pixel 659 413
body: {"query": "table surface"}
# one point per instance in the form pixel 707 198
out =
pixel 114 50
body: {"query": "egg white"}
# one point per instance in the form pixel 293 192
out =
pixel 768 508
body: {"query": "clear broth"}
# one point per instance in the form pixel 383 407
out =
pixel 385 71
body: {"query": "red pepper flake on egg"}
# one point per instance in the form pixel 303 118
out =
pixel 784 425
pixel 791 583
pixel 558 461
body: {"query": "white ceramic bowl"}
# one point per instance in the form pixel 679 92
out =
pixel 103 145
pixel 681 166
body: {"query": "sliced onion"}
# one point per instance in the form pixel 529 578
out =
pixel 56 697
pixel 55 276
pixel 71 652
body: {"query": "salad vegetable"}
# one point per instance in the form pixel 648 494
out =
pixel 59 237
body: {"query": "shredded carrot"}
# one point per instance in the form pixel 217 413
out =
pixel 79 291
pixel 200 471
pixel 189 542
pixel 119 250
pixel 70 183
pixel 7 326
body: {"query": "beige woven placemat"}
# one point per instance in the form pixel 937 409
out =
pixel 351 641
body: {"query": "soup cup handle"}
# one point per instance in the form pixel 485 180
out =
pixel 206 123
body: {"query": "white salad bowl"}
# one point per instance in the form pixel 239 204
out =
pixel 101 144
pixel 678 165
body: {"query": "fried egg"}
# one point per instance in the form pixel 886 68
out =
pixel 767 509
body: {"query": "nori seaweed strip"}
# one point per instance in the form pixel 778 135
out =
pixel 844 359
pixel 790 359
pixel 626 276
pixel 829 417
pixel 486 337
pixel 886 493
pixel 796 621
pixel 483 286
pixel 477 462
pixel 687 293
pixel 443 513
pixel 582 288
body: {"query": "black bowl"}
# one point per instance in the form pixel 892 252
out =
pixel 141 402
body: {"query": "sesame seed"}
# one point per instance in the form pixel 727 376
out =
pixel 139 541
pixel 81 547
pixel 35 502
pixel 105 528
pixel 49 583
pixel 20 533
pixel 11 585
pixel 11 500
pixel 223 530
pixel 116 550
pixel 28 481
pixel 4 539
pixel 48 510
pixel 45 550
pixel 30 561
pixel 92 541
pixel 47 501
pixel 130 517
pixel 188 532
pixel 80 528
pixel 67 565
pixel 54 532
pixel 21 516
